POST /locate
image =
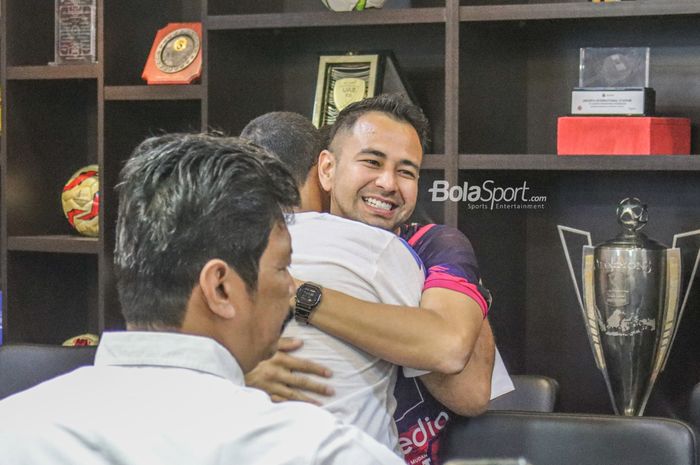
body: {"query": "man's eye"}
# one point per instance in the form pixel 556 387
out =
pixel 371 162
pixel 408 174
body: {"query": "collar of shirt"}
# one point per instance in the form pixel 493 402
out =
pixel 174 350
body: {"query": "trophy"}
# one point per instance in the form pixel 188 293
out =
pixel 176 55
pixel 631 288
pixel 613 81
pixel 349 78
pixel 74 33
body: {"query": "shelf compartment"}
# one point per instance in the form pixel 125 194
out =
pixel 50 297
pixel 130 27
pixel 53 72
pixel 516 80
pixel 277 72
pixel 144 92
pixel 64 114
pixel 576 10
pixel 285 7
pixel 55 244
pixel 327 19
pixel 551 162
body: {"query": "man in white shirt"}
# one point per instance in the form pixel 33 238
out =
pixel 201 256
pixel 387 165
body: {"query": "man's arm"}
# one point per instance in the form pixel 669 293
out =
pixel 439 336
pixel 467 393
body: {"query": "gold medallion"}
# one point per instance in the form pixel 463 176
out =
pixel 347 91
pixel 177 50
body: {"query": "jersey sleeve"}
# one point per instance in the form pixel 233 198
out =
pixel 450 262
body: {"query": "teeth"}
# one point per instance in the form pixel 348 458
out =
pixel 378 203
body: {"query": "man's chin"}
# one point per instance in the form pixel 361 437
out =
pixel 388 224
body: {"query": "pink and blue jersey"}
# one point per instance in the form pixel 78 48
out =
pixel 450 263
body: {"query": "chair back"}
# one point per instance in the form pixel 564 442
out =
pixel 533 393
pixel 695 406
pixel 562 439
pixel 25 365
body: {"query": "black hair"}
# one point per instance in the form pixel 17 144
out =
pixel 397 106
pixel 291 137
pixel 185 199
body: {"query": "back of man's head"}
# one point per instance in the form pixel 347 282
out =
pixel 396 106
pixel 291 137
pixel 185 199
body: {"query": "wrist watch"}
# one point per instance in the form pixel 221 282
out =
pixel 307 299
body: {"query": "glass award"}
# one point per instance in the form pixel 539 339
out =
pixel 613 81
pixel 75 29
pixel 610 67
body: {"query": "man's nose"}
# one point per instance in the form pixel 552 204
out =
pixel 387 180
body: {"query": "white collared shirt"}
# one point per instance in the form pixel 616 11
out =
pixel 370 264
pixel 168 398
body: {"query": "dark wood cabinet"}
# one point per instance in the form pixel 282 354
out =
pixel 492 76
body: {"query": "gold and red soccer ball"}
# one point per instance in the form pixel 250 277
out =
pixel 81 201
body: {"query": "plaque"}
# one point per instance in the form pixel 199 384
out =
pixel 344 79
pixel 630 298
pixel 176 55
pixel 74 34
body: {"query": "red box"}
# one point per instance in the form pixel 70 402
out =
pixel 622 135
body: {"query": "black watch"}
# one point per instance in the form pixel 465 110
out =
pixel 307 299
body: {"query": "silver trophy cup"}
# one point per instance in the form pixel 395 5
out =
pixel 630 304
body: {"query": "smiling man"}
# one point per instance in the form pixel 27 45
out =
pixel 374 167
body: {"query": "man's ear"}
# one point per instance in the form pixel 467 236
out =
pixel 326 169
pixel 221 286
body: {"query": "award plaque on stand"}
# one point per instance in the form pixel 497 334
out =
pixel 613 81
pixel 74 34
pixel 344 79
pixel 613 109
pixel 176 55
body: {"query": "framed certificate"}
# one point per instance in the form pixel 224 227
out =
pixel 342 80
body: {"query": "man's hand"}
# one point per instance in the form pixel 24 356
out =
pixel 282 375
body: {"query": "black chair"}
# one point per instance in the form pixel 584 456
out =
pixel 533 393
pixel 694 404
pixel 562 439
pixel 25 365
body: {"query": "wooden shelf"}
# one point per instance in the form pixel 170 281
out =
pixel 432 161
pixel 159 92
pixel 533 12
pixel 326 18
pixel 53 72
pixel 551 162
pixel 54 244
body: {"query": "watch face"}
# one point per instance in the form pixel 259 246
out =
pixel 177 50
pixel 308 295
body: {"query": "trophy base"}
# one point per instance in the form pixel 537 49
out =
pixel 622 135
pixel 632 101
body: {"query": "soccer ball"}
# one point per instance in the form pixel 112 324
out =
pixel 632 214
pixel 350 5
pixel 81 201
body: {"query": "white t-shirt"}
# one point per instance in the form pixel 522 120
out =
pixel 370 264
pixel 171 399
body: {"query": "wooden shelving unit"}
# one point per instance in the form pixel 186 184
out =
pixel 492 76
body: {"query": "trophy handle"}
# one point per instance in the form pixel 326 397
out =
pixel 590 313
pixel 688 287
pixel 588 310
pixel 671 316
pixel 587 235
